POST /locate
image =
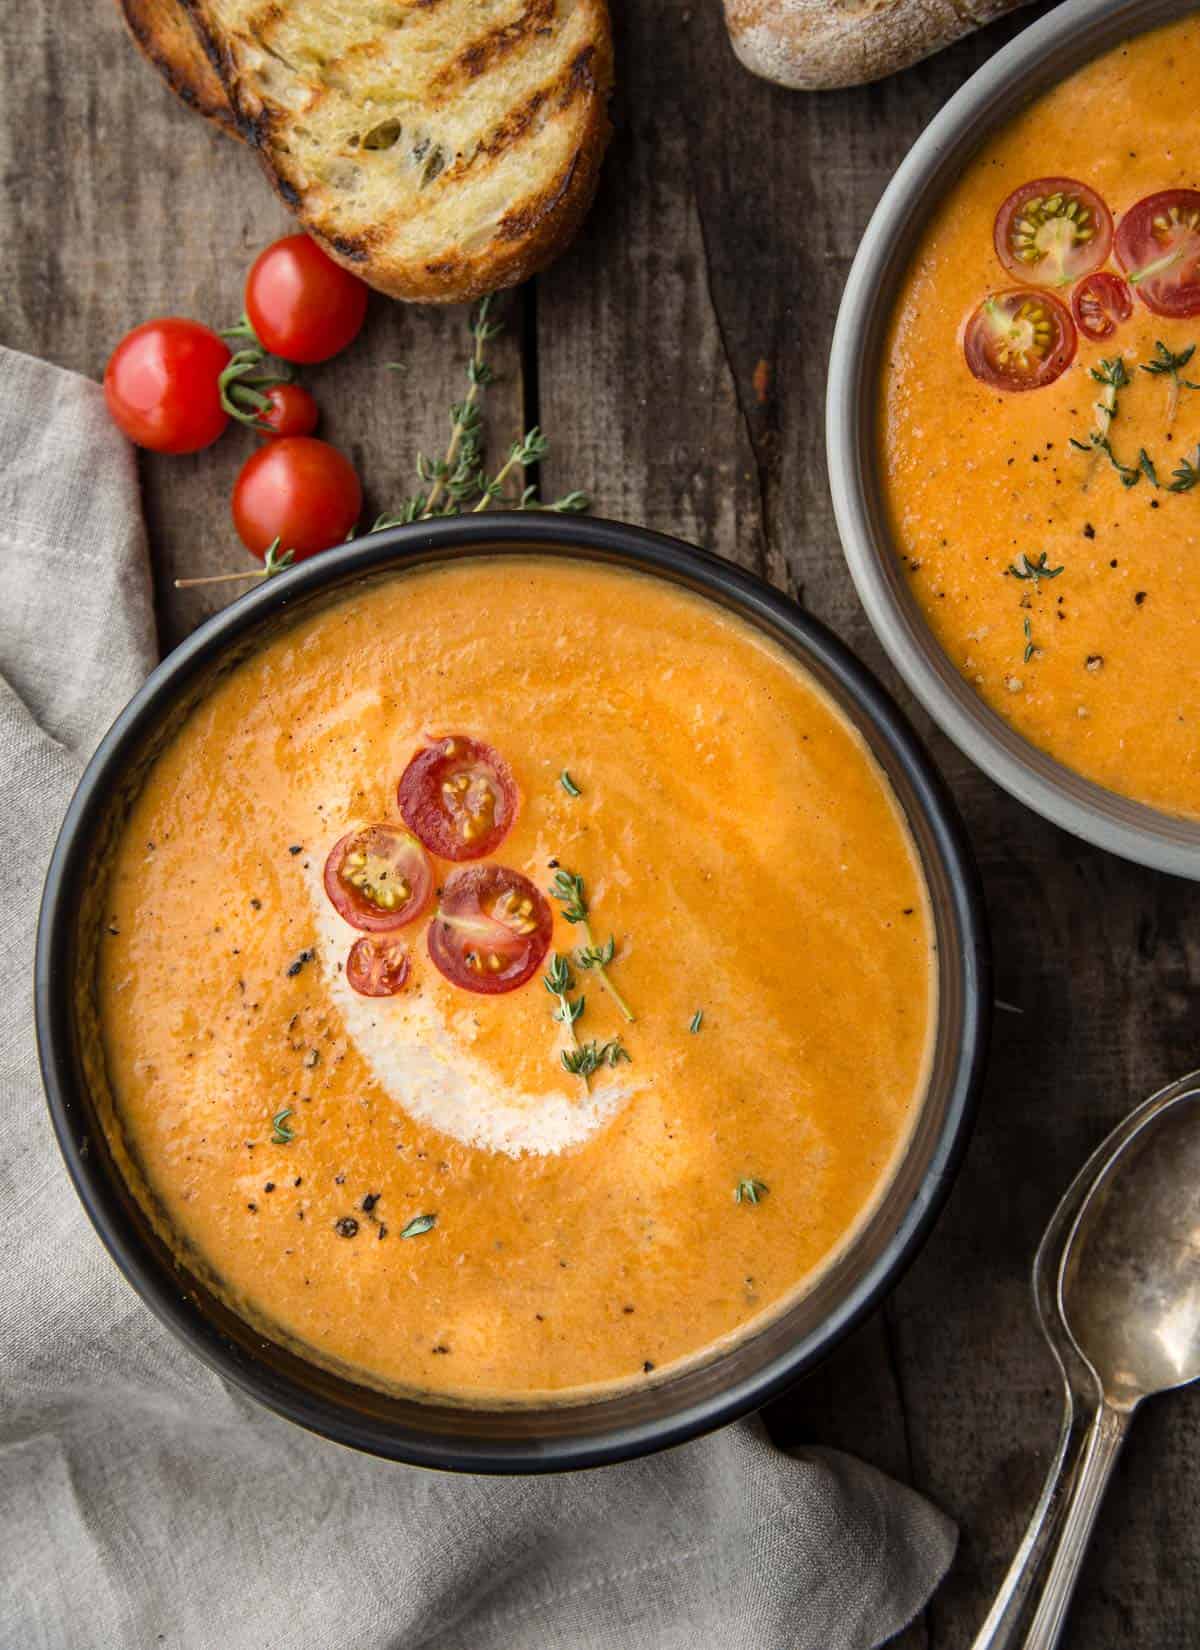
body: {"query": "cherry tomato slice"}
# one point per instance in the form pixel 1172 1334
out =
pixel 378 878
pixel 377 967
pixel 1100 303
pixel 292 411
pixel 161 385
pixel 459 796
pixel 298 490
pixel 1019 340
pixel 491 929
pixel 1053 230
pixel 1158 247
pixel 303 306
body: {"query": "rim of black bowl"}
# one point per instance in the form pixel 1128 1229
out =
pixel 303 1391
pixel 1039 58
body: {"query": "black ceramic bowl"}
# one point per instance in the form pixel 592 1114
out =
pixel 523 1439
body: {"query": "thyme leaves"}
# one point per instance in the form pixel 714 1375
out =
pixel 750 1191
pixel 419 1225
pixel 589 1057
pixel 1034 571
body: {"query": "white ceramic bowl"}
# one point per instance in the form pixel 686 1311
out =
pixel 1038 59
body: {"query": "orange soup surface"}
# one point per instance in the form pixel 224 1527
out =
pixel 1052 543
pixel 414 1187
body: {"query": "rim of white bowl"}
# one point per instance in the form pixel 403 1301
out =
pixel 1039 58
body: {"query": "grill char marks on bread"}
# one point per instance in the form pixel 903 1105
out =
pixel 163 33
pixel 439 148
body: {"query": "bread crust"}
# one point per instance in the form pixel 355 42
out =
pixel 163 33
pixel 531 235
pixel 816 45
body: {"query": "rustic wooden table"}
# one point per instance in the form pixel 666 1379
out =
pixel 677 358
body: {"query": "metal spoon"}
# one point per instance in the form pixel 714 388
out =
pixel 1117 1289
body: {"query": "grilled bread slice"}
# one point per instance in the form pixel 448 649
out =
pixel 163 31
pixel 439 148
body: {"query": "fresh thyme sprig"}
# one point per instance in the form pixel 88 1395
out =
pixel 1169 364
pixel 1114 377
pixel 273 563
pixel 459 479
pixel 560 982
pixel 589 1057
pixel 1035 570
pixel 568 889
pixel 1146 465
pixel 750 1191
pixel 282 1131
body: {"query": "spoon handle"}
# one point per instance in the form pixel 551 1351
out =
pixel 1105 1438
pixel 1009 1617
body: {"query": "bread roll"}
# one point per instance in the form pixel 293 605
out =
pixel 815 44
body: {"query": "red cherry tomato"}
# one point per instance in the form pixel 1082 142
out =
pixel 491 930
pixel 292 411
pixel 302 305
pixel 459 796
pixel 1158 247
pixel 1019 340
pixel 298 490
pixel 161 385
pixel 1100 303
pixel 1052 231
pixel 377 966
pixel 378 878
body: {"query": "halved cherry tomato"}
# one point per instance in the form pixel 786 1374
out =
pixel 299 491
pixel 292 411
pixel 459 796
pixel 491 930
pixel 1158 247
pixel 1100 303
pixel 303 306
pixel 377 966
pixel 161 385
pixel 378 878
pixel 1052 231
pixel 1019 340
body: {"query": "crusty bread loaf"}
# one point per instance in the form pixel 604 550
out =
pixel 164 33
pixel 439 148
pixel 815 44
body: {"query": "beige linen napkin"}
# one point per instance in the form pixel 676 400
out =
pixel 144 1503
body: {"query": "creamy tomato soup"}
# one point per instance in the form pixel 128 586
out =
pixel 376 928
pixel 1040 421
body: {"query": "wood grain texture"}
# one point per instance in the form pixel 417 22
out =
pixel 677 359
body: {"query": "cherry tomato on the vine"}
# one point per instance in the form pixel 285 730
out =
pixel 292 411
pixel 299 491
pixel 303 306
pixel 161 385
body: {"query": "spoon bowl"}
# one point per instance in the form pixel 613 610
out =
pixel 1130 1281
